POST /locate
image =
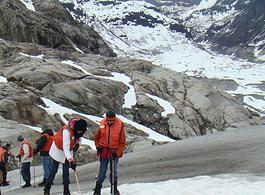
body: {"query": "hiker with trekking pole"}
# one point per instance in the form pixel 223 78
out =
pixel 61 151
pixel 110 142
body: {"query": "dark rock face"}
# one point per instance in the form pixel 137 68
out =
pixel 148 116
pixel 238 34
pixel 51 25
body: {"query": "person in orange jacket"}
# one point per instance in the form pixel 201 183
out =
pixel 44 145
pixel 110 142
pixel 61 151
pixel 25 155
pixel 4 153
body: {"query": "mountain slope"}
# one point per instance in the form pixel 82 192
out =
pixel 186 36
pixel 243 36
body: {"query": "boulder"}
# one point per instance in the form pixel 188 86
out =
pixel 20 105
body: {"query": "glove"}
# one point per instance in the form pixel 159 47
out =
pixel 18 156
pixel 76 147
pixel 99 149
pixel 34 153
pixel 113 156
pixel 72 165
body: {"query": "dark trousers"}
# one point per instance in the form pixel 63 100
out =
pixel 3 169
pixel 25 171
pixel 55 166
pixel 103 170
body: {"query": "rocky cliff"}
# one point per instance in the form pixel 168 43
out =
pixel 50 25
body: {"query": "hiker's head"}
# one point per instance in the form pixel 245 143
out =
pixel 20 138
pixel 110 117
pixel 44 127
pixel 8 146
pixel 79 127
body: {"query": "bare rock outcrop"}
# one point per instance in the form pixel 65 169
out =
pixel 24 107
pixel 199 108
pixel 50 25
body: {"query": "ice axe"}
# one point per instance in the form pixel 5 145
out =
pixel 78 183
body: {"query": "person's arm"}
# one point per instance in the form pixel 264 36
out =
pixel 5 157
pixel 96 138
pixel 26 151
pixel 41 144
pixel 66 144
pixel 77 144
pixel 122 142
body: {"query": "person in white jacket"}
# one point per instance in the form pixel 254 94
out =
pixel 61 151
pixel 25 155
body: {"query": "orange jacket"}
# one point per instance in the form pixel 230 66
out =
pixel 58 138
pixel 48 144
pixel 2 151
pixel 112 137
pixel 22 153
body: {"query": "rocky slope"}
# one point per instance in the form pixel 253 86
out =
pixel 50 25
pixel 35 71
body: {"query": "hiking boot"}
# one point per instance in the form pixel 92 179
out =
pixel 27 184
pixel 66 190
pixel 47 188
pixel 43 183
pixel 5 184
pixel 97 190
pixel 116 191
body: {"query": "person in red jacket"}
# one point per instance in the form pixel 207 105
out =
pixel 25 154
pixel 44 145
pixel 61 151
pixel 4 153
pixel 110 142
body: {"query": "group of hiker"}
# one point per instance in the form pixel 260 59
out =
pixel 109 140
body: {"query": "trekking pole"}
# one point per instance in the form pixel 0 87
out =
pixel 34 171
pixel 19 173
pixel 112 174
pixel 6 174
pixel 78 183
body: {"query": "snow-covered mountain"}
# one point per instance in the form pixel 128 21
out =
pixel 221 39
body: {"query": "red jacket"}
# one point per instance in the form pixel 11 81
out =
pixel 22 153
pixel 58 138
pixel 2 152
pixel 111 138
pixel 48 144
